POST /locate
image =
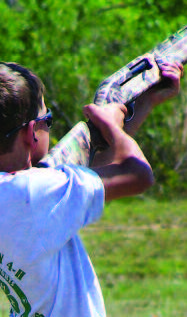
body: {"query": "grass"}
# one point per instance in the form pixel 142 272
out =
pixel 139 252
pixel 138 249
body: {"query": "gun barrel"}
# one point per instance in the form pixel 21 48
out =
pixel 174 48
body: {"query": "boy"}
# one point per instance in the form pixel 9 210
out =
pixel 44 269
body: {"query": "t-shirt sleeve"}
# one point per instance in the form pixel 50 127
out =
pixel 63 201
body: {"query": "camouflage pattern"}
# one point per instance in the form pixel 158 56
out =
pixel 123 86
pixel 73 148
pixel 136 77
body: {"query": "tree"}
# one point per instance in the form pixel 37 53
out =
pixel 73 45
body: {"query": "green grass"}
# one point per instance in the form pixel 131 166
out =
pixel 139 251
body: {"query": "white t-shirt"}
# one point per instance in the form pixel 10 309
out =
pixel 44 269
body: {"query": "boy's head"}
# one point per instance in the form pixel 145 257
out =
pixel 21 95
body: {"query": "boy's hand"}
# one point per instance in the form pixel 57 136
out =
pixel 106 118
pixel 169 86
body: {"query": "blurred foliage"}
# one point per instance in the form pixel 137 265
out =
pixel 73 45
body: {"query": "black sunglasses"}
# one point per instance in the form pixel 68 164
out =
pixel 48 118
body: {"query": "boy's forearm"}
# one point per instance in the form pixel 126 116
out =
pixel 123 168
pixel 122 146
pixel 143 107
pixel 131 177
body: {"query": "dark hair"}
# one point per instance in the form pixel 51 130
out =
pixel 21 94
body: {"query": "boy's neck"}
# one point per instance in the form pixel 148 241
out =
pixel 16 160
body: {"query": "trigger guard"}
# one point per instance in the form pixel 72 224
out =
pixel 130 109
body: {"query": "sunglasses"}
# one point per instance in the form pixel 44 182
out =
pixel 48 118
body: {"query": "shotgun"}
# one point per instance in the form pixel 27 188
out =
pixel 79 145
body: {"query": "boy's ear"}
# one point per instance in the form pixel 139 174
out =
pixel 29 134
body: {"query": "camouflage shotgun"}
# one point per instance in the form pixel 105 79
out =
pixel 124 86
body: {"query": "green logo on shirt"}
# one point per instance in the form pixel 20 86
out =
pixel 12 290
